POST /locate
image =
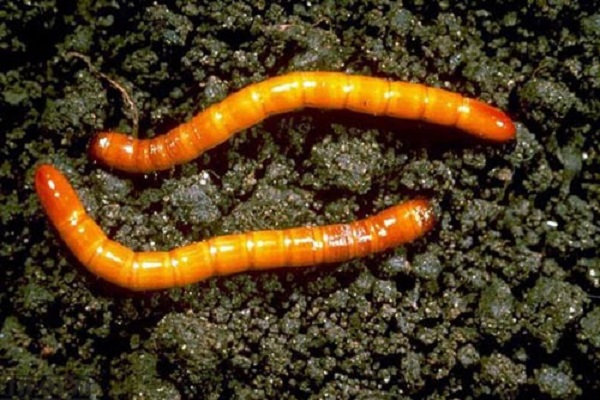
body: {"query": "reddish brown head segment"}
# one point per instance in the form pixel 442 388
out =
pixel 103 145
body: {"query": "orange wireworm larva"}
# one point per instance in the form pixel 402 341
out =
pixel 259 250
pixel 293 91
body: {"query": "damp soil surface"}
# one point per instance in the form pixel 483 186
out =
pixel 500 300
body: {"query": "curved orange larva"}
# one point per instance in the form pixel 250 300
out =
pixel 295 247
pixel 293 91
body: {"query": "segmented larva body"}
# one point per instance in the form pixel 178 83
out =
pixel 293 91
pixel 295 247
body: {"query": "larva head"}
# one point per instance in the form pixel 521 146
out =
pixel 112 149
pixel 485 121
pixel 56 194
pixel 419 213
pixel 405 222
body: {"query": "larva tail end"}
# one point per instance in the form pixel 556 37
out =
pixel 45 177
pixel 42 175
pixel 55 193
pixel 487 122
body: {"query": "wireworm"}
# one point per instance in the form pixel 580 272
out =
pixel 293 247
pixel 258 250
pixel 293 91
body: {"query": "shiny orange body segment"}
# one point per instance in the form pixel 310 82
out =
pixel 222 255
pixel 294 91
